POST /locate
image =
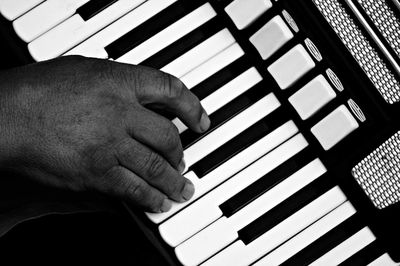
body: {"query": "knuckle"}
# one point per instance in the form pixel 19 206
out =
pixel 98 159
pixel 172 87
pixel 135 191
pixel 170 136
pixel 124 148
pixel 111 182
pixel 154 165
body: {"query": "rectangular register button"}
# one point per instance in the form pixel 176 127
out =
pixel 291 66
pixel 334 127
pixel 245 12
pixel 271 37
pixel 312 97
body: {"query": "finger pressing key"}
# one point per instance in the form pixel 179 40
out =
pixel 158 133
pixel 169 92
pixel 123 183
pixel 154 169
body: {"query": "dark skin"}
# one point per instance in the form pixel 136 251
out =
pixel 89 125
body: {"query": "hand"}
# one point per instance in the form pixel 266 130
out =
pixel 87 124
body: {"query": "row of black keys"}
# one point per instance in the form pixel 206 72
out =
pixel 149 28
pixel 294 203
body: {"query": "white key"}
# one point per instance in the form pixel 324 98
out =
pixel 231 167
pixel 271 37
pixel 230 129
pixel 200 54
pixel 212 66
pixel 291 66
pixel 227 93
pixel 231 90
pixel 95 45
pixel 312 97
pixel 346 249
pixel 383 260
pixel 224 231
pixel 169 35
pixel 240 254
pixel 206 210
pixel 179 125
pixel 309 235
pixel 75 30
pixel 334 127
pixel 245 12
pixel 44 17
pixel 11 9
pixel 207 69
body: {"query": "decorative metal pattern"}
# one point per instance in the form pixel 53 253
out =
pixel 361 49
pixel 379 173
pixel 385 21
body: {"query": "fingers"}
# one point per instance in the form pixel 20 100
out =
pixel 126 185
pixel 158 133
pixel 170 93
pixel 154 169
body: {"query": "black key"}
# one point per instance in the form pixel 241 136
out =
pixel 208 86
pixel 268 181
pixel 181 46
pixel 364 256
pixel 151 27
pixel 217 118
pixel 327 242
pixel 288 207
pixel 93 7
pixel 239 143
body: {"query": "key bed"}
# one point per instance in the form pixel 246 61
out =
pixel 292 112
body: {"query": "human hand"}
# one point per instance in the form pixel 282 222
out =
pixel 88 124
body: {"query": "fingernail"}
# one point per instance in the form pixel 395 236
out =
pixel 204 122
pixel 166 205
pixel 188 190
pixel 182 166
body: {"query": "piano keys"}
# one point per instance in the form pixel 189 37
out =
pixel 294 106
pixel 33 24
pixel 11 10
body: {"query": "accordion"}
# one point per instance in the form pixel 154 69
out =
pixel 302 162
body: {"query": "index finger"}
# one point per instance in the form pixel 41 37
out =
pixel 168 92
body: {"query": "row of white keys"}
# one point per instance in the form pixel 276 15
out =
pixel 239 253
pixel 231 167
pixel 208 69
pixel 169 35
pixel 224 231
pixel 200 54
pixel 226 93
pixel 231 90
pixel 44 17
pixel 75 30
pixel 213 65
pixel 230 129
pixel 95 45
pixel 12 9
pixel 308 235
pixel 346 249
pixel 206 210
